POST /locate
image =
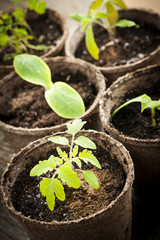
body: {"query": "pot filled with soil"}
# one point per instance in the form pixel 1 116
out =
pixel 137 125
pixel 44 35
pixel 129 48
pixel 97 207
pixel 25 115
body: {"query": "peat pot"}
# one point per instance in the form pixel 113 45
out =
pixel 132 49
pixel 25 115
pixel 110 220
pixel 45 24
pixel 134 129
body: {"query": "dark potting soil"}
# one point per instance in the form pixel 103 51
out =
pixel 27 106
pixel 129 45
pixel 130 121
pixel 80 202
pixel 48 31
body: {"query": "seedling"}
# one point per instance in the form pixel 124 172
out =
pixel 103 13
pixel 63 99
pixel 146 102
pixel 67 165
pixel 15 31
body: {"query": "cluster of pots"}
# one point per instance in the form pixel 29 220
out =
pixel 139 158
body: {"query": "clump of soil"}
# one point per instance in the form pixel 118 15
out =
pixel 128 46
pixel 43 27
pixel 130 121
pixel 27 106
pixel 79 202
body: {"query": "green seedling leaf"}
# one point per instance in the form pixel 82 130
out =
pixel 43 167
pixel 75 151
pixel 144 99
pixel 59 140
pixel 118 3
pixel 19 14
pixel 68 176
pixel 87 156
pixel 50 187
pixel 77 161
pixel 20 32
pixel 112 14
pixel 32 69
pixel 62 154
pixel 91 179
pixel 100 15
pixel 40 7
pixel 123 23
pixel 65 101
pixel 75 126
pixel 3 39
pixel 85 142
pixel 84 23
pixel 91 44
pixel 39 47
pixel 78 17
pixel 95 5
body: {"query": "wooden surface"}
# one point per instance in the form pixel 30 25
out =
pixel 146 220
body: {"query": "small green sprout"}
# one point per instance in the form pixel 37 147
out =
pixel 146 102
pixel 62 99
pixel 106 17
pixel 15 31
pixel 66 166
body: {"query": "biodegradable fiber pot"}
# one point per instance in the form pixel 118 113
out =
pixel 9 87
pixel 111 222
pixel 54 18
pixel 113 72
pixel 144 152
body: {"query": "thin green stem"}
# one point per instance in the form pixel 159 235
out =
pixel 153 117
pixel 71 148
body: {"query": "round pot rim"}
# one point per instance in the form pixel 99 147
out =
pixel 59 45
pixel 110 127
pixel 94 105
pixel 60 225
pixel 119 68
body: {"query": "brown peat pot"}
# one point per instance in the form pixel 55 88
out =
pixel 44 25
pixel 144 148
pixel 131 49
pixel 111 220
pixel 15 101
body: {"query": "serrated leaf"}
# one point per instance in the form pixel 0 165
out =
pixel 77 161
pixel 118 3
pixel 43 167
pixel 91 179
pixel 68 176
pixel 58 160
pixel 59 140
pixel 32 69
pixel 112 14
pixel 62 154
pixel 87 156
pixel 85 142
pixel 65 101
pixel 95 5
pixel 50 187
pixel 75 126
pixel 91 44
pixel 75 151
pixel 123 23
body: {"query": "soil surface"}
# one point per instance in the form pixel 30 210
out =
pixel 44 28
pixel 132 122
pixel 128 46
pixel 79 202
pixel 28 108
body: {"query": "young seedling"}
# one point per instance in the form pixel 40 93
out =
pixel 16 33
pixel 146 102
pixel 63 99
pixel 103 13
pixel 66 166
